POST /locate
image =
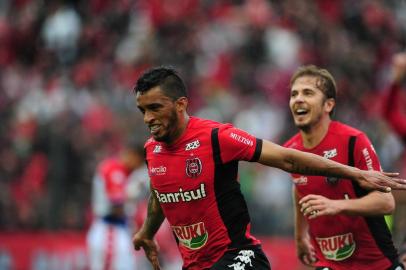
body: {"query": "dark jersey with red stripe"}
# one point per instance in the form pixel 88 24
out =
pixel 345 242
pixel 195 181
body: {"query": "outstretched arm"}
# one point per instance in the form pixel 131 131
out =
pixel 373 204
pixel 144 238
pixel 295 161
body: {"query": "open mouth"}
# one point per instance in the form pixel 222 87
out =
pixel 301 111
pixel 154 129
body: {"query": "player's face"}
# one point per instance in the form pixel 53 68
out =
pixel 308 103
pixel 160 114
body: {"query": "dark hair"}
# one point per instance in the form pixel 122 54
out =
pixel 325 82
pixel 166 78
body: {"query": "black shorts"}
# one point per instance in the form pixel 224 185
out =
pixel 395 266
pixel 249 258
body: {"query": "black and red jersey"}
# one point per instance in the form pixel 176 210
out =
pixel 345 242
pixel 195 181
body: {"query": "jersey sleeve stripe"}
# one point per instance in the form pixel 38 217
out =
pixel 216 146
pixel 258 150
pixel 351 147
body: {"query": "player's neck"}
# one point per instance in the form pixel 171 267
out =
pixel 316 133
pixel 183 122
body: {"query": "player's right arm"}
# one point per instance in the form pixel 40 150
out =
pixel 299 162
pixel 144 238
pixel 373 203
pixel 304 248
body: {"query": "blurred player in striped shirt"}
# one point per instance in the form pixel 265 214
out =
pixel 117 183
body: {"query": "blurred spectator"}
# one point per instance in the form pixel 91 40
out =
pixel 61 32
pixel 393 112
pixel 393 107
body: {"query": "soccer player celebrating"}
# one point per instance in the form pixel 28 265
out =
pixel 193 167
pixel 340 225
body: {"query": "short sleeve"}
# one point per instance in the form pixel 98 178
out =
pixel 237 144
pixel 365 156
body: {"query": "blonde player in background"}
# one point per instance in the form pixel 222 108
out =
pixel 117 183
pixel 342 225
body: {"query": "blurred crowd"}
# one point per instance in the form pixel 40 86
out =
pixel 67 69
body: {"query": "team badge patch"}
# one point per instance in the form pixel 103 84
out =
pixel 193 167
pixel 332 180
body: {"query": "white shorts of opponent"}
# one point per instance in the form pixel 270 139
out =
pixel 110 247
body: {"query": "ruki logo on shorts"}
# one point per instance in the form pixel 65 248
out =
pixel 338 247
pixel 191 236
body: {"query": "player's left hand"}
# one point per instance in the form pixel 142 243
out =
pixel 381 181
pixel 305 250
pixel 313 206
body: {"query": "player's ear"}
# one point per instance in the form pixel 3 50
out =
pixel 329 104
pixel 181 104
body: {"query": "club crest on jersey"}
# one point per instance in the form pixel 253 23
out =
pixel 193 167
pixel 332 180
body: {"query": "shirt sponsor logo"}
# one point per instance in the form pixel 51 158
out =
pixel 330 153
pixel 242 139
pixel 302 180
pixel 157 149
pixel 182 196
pixel 191 236
pixel 192 145
pixel 161 170
pixel 338 247
pixel 193 167
pixel 368 159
